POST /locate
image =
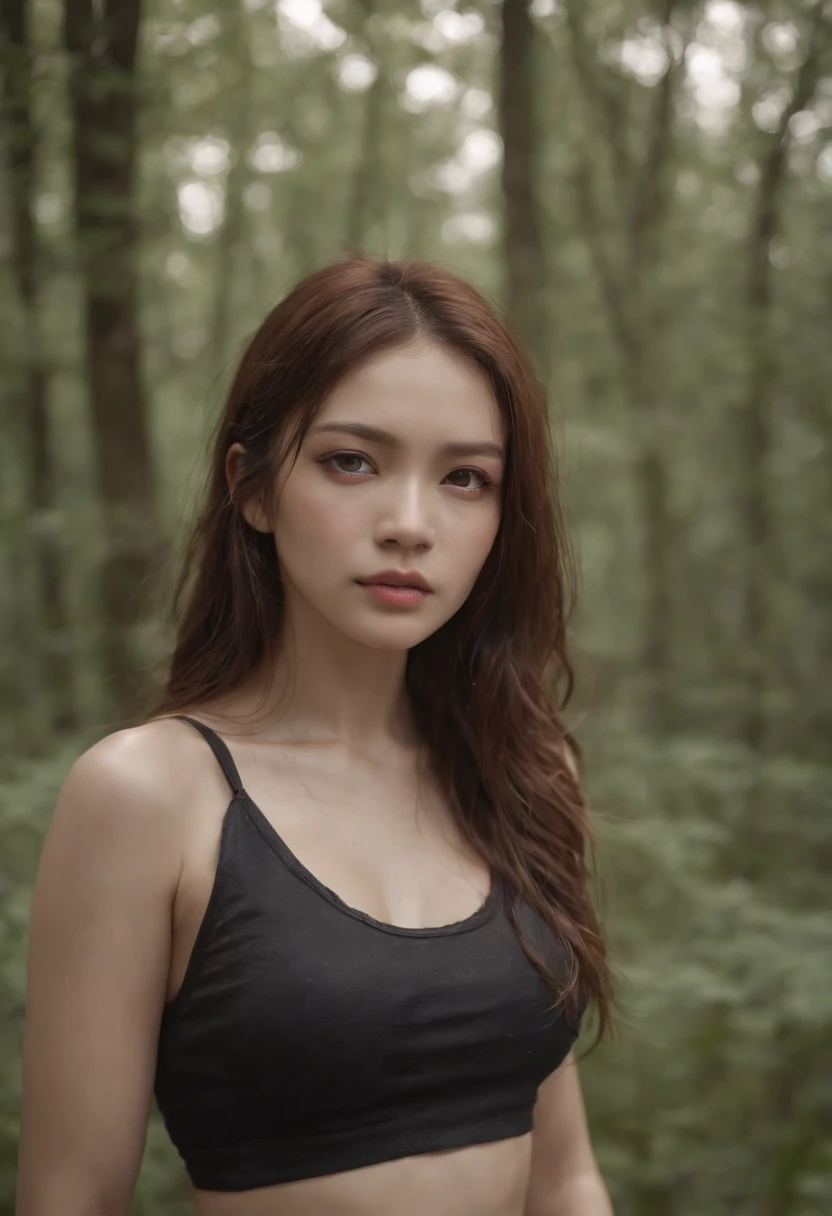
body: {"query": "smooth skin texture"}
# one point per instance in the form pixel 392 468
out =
pixel 327 749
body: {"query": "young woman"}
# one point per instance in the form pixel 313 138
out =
pixel 349 950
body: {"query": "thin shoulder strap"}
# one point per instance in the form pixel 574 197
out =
pixel 220 750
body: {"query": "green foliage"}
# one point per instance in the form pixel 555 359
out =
pixel 718 1097
pixel 679 321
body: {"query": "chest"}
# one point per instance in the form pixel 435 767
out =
pixel 378 833
pixel 291 991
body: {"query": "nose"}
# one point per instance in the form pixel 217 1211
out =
pixel 404 521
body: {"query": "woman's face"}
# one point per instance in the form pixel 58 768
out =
pixel 400 471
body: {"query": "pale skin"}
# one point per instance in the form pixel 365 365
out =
pixel 331 757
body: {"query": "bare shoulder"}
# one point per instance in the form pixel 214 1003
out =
pixel 98 961
pixel 145 778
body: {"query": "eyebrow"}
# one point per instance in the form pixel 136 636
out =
pixel 373 435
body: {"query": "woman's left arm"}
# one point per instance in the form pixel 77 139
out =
pixel 565 1179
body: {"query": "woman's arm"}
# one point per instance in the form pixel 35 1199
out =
pixel 565 1180
pixel 99 949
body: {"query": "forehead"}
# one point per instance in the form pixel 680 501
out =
pixel 421 392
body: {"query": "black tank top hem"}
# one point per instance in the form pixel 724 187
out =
pixel 261 1163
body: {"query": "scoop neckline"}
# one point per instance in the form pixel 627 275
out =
pixel 273 838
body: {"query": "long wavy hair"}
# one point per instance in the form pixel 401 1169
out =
pixel 487 688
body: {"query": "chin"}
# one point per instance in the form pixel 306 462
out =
pixel 393 634
pixel 394 639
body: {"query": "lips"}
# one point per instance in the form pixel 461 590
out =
pixel 396 578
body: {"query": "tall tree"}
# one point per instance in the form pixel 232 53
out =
pixel 102 41
pixel 624 241
pixel 237 103
pixel 366 203
pixel 523 245
pixel 54 668
pixel 755 414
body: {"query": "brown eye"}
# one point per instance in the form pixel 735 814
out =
pixel 483 480
pixel 337 459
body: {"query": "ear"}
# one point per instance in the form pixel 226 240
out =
pixel 253 510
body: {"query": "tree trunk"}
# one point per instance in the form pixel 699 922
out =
pixel 229 238
pixel 656 644
pixel 309 218
pixel 366 204
pixel 53 668
pixel 755 421
pixel 102 42
pixel 632 301
pixel 526 278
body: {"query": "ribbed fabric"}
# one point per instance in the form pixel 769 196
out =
pixel 309 1038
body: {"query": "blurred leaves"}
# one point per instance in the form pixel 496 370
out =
pixel 673 248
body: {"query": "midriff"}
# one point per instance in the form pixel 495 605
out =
pixel 478 1180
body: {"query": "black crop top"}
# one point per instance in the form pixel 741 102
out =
pixel 308 1038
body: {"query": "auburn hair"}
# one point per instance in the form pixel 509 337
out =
pixel 488 687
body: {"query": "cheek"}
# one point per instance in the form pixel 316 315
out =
pixel 474 537
pixel 310 515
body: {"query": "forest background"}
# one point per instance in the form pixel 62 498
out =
pixel 646 187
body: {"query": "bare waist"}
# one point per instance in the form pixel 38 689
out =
pixel 477 1180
